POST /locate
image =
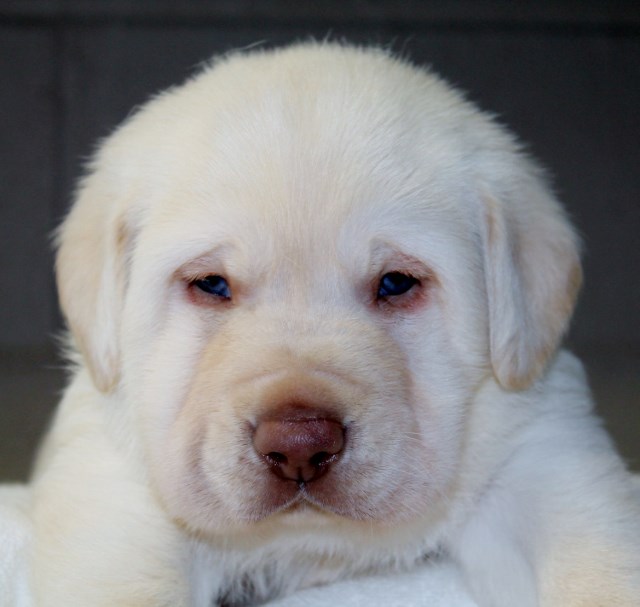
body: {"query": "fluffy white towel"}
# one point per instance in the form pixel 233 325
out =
pixel 15 536
pixel 434 585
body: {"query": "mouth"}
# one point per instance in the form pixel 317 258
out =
pixel 294 498
pixel 301 498
pixel 305 510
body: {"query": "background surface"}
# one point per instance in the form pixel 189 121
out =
pixel 565 76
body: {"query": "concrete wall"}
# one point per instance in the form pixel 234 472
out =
pixel 564 75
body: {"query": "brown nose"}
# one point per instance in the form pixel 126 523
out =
pixel 299 448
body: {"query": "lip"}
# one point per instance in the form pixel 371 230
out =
pixel 302 508
pixel 301 501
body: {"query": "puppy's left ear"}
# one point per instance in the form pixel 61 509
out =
pixel 533 274
pixel 91 277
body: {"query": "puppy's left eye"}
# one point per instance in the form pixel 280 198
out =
pixel 214 285
pixel 394 284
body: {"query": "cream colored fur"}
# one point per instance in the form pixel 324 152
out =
pixel 303 175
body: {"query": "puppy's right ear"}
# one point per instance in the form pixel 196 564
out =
pixel 91 276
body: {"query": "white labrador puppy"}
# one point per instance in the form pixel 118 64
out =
pixel 317 299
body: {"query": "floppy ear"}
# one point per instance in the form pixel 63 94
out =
pixel 91 276
pixel 533 274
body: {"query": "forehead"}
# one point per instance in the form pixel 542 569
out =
pixel 294 161
pixel 303 210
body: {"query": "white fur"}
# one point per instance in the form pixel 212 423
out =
pixel 303 175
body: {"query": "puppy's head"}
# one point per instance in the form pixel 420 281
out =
pixel 297 269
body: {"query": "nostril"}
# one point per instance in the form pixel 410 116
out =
pixel 321 459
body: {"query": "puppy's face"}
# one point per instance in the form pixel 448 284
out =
pixel 303 270
pixel 312 299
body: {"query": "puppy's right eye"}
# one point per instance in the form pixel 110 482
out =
pixel 214 285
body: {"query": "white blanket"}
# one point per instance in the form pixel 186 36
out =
pixel 433 586
pixel 436 585
pixel 15 537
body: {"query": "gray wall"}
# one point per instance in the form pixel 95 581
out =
pixel 564 75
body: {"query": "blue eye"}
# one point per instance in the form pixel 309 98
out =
pixel 214 285
pixel 395 283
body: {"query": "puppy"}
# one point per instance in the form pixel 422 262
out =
pixel 316 299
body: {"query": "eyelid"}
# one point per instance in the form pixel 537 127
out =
pixel 211 263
